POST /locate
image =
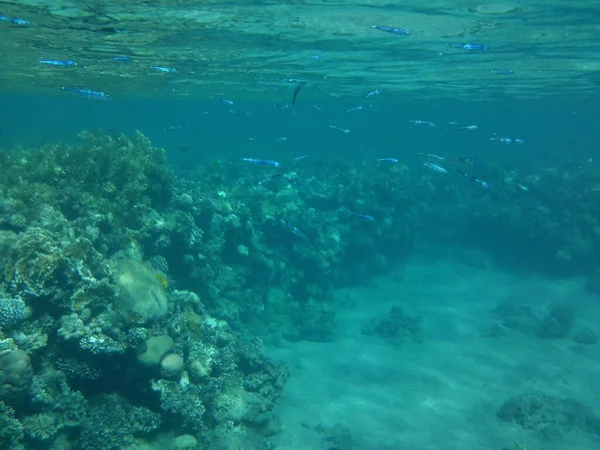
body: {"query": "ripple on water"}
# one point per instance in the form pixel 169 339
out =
pixel 494 8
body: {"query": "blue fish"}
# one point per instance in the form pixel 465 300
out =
pixel 392 30
pixel 15 21
pixel 294 230
pixel 263 162
pixel 362 216
pixel 121 58
pixel 480 182
pixel 387 160
pixel 272 178
pixel 58 62
pixel 502 72
pixel 87 93
pixel 164 69
pixel 475 47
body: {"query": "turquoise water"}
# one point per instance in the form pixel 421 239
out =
pixel 198 259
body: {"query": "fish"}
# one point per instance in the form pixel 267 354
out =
pixel 297 90
pixel 294 230
pixel 387 160
pixel 507 140
pixel 468 176
pixel 271 178
pixel 502 72
pixel 343 130
pixel 450 159
pixel 176 127
pixel 362 216
pixel 263 162
pixel 121 58
pixel 87 93
pixel 392 30
pixel 15 20
pixel 435 167
pixel 373 93
pixel 300 158
pixel 474 47
pixel 164 69
pixel 469 127
pixel 422 122
pixel 58 62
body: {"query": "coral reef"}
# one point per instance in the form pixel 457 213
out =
pixel 89 234
pixel 131 296
pixel 395 327
pixel 549 414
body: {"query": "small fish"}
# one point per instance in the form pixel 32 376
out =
pixel 373 93
pixel 121 58
pixel 455 160
pixel 392 30
pixel 229 102
pixel 58 62
pixel 343 130
pixel 15 21
pixel 362 216
pixel 435 167
pixel 87 93
pixel 474 47
pixel 387 160
pixel 356 108
pixel 523 188
pixel 263 162
pixel 502 72
pixel 422 122
pixel 294 230
pixel 164 69
pixel 176 127
pixel 272 178
pixel 483 184
pixel 300 158
pixel 469 127
pixel 297 90
pixel 507 140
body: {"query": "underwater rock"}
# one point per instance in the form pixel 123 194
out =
pixel 16 375
pixel 141 295
pixel 396 326
pixel 586 336
pixel 516 317
pixel 557 323
pixel 183 442
pixel 536 410
pixel 171 365
pixel 156 347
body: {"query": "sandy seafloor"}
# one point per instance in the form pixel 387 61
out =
pixel 443 393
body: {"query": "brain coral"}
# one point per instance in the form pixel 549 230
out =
pixel 141 296
pixel 16 374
